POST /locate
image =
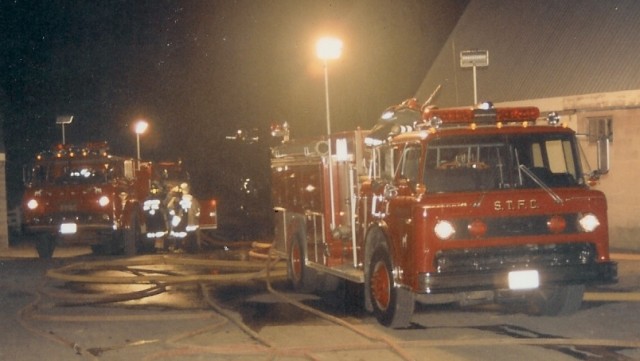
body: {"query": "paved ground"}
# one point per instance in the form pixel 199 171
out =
pixel 244 321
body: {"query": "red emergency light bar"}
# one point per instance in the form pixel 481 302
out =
pixel 70 150
pixel 523 114
pixel 480 116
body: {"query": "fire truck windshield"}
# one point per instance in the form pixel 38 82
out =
pixel 479 163
pixel 67 172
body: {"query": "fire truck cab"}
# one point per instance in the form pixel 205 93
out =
pixel 443 205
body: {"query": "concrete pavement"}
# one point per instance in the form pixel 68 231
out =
pixel 28 250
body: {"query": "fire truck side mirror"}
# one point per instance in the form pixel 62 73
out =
pixel 390 191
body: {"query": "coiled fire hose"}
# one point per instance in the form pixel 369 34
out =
pixel 144 270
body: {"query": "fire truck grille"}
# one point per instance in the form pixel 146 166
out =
pixel 516 226
pixel 491 259
pixel 79 218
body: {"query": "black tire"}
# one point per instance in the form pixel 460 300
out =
pixel 131 237
pixel 45 245
pixel 302 277
pixel 167 244
pixel 101 249
pixel 393 305
pixel 557 300
pixel 192 242
pixel 149 245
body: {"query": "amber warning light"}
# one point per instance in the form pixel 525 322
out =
pixel 482 116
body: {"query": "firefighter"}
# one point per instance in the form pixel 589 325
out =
pixel 183 210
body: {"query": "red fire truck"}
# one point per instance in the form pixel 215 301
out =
pixel 435 205
pixel 83 194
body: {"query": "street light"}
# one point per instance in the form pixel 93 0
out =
pixel 328 48
pixel 140 127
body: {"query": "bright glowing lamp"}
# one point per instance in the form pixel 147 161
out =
pixel 140 127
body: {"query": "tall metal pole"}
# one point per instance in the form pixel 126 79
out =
pixel 329 48
pixel 64 120
pixel 140 127
pixel 330 162
pixel 475 87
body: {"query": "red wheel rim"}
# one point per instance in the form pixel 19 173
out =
pixel 381 285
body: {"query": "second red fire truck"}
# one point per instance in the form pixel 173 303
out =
pixel 83 194
pixel 443 205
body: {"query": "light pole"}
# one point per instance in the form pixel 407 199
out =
pixel 328 48
pixel 140 127
pixel 64 120
pixel 474 59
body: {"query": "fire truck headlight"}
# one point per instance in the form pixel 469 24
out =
pixel 588 222
pixel 32 204
pixel 444 230
pixel 104 201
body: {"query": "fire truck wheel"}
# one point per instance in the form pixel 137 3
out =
pixel 45 245
pixel 192 242
pixel 558 301
pixel 148 245
pixel 101 249
pixel 392 305
pixel 302 277
pixel 132 236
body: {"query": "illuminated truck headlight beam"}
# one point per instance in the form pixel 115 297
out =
pixel 444 230
pixel 588 222
pixel 32 204
pixel 104 201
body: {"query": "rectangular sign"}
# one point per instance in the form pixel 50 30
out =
pixel 470 58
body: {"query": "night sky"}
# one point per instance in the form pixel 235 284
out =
pixel 199 70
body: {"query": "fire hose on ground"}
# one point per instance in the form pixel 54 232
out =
pixel 140 271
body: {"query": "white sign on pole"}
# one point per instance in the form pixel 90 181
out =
pixel 471 58
pixel 474 59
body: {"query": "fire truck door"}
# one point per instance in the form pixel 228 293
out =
pixel 407 182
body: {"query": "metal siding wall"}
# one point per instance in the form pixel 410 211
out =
pixel 540 49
